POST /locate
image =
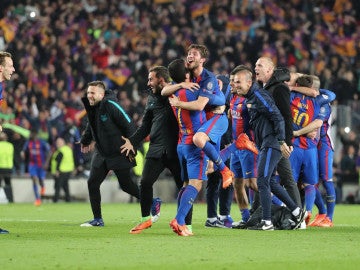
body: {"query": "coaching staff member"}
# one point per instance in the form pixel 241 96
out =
pixel 160 124
pixel 107 123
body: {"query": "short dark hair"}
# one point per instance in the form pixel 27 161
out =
pixel 305 80
pixel 161 72
pixel 100 84
pixel 204 52
pixel 3 55
pixel 178 70
pixel 241 68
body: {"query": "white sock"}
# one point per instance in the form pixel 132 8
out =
pixel 296 212
pixel 267 222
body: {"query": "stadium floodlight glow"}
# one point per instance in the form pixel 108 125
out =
pixel 347 129
pixel 32 12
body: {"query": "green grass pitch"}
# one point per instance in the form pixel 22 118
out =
pixel 49 237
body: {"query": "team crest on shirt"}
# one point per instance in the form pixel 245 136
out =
pixel 209 85
pixel 103 117
pixel 322 110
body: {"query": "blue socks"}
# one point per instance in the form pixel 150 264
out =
pixel 214 155
pixel 245 214
pixel 186 201
pixel 36 191
pixel 319 201
pixel 181 191
pixel 226 152
pixel 330 198
pixel 310 194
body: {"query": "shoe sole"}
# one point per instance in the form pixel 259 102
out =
pixel 137 231
pixel 238 226
pixel 260 229
pixel 217 226
pixel 89 225
pixel 175 228
pixel 325 226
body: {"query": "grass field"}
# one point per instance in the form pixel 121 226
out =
pixel 49 237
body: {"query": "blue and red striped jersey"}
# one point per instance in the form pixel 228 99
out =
pixel 38 151
pixel 239 116
pixel 189 121
pixel 304 109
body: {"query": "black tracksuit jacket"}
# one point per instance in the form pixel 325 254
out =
pixel 159 121
pixel 107 123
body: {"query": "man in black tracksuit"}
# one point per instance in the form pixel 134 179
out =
pixel 273 81
pixel 268 125
pixel 160 123
pixel 107 123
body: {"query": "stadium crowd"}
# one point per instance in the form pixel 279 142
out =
pixel 59 46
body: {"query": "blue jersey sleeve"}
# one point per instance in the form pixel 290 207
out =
pixel 326 96
pixel 210 89
pixel 322 113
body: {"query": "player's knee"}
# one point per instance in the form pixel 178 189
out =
pixel 200 139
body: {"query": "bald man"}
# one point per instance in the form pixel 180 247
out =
pixel 273 80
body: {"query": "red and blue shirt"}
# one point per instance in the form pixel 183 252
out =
pixel 239 116
pixel 38 151
pixel 189 121
pixel 304 110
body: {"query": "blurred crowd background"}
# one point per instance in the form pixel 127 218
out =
pixel 59 46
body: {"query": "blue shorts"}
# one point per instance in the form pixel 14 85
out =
pixel 326 157
pixel 243 164
pixel 305 161
pixel 215 127
pixel 36 171
pixel 193 162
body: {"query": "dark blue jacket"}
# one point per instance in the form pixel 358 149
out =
pixel 280 92
pixel 265 118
